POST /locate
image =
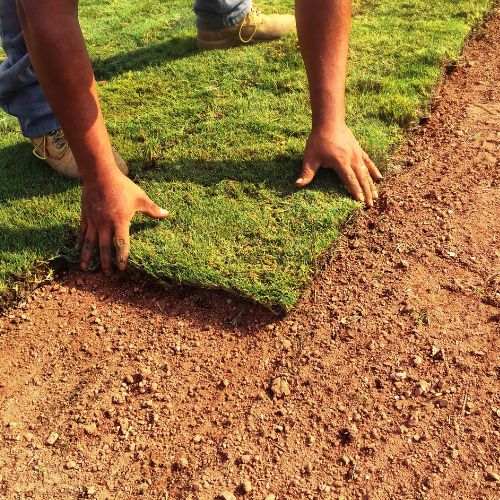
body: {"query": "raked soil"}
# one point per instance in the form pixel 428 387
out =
pixel 382 384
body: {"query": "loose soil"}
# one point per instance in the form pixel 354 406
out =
pixel 382 384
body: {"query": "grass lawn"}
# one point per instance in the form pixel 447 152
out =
pixel 217 138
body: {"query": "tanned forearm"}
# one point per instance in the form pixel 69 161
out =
pixel 61 62
pixel 62 65
pixel 323 27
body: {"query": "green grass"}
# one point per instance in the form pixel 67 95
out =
pixel 217 138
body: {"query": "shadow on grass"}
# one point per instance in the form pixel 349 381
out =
pixel 24 176
pixel 278 174
pixel 41 241
pixel 145 57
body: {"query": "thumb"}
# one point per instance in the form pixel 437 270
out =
pixel 309 169
pixel 151 209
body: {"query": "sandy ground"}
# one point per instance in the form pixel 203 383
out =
pixel 384 383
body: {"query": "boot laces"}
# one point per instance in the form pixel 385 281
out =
pixel 248 21
pixel 58 139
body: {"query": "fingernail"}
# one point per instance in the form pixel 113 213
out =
pixel 122 266
pixel 163 212
pixel 300 180
pixel 107 274
pixel 83 266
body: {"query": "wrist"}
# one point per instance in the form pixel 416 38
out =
pixel 329 126
pixel 101 174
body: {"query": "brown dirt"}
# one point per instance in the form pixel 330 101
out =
pixel 382 384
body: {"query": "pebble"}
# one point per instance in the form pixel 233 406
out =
pixel 53 437
pixel 280 387
pixel 227 495
pixel 90 429
pixel 270 497
pixel 246 486
pixel 492 476
pixel 398 376
pixel 442 403
pixel 197 487
pixel 183 462
pixel 70 464
pixel 417 360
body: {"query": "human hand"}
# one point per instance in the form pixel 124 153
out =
pixel 108 206
pixel 339 150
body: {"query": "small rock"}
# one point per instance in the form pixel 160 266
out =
pixel 227 495
pixel 280 387
pixel 90 429
pixel 398 376
pixel 492 476
pixel 246 486
pixel 197 487
pixel 442 403
pixel 424 385
pixel 70 464
pixel 245 459
pixel 198 439
pixel 417 360
pixel 118 399
pixel 183 462
pixel 270 497
pixel 53 437
pixel 437 353
pixel 403 264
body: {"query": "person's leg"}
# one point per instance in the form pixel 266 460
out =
pixel 228 23
pixel 219 14
pixel 20 93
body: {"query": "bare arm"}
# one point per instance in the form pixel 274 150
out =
pixel 323 27
pixel 59 56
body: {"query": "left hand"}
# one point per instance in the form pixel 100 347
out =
pixel 339 150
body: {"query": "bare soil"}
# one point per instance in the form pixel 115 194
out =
pixel 384 383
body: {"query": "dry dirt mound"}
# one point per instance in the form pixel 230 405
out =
pixel 383 384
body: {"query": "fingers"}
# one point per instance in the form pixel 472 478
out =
pixel 350 181
pixel 82 231
pixel 374 171
pixel 309 169
pixel 106 251
pixel 150 208
pixel 88 247
pixel 122 246
pixel 365 181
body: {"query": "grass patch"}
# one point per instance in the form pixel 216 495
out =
pixel 217 138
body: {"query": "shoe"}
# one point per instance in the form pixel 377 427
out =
pixel 54 149
pixel 255 27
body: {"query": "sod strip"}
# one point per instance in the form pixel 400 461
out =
pixel 217 138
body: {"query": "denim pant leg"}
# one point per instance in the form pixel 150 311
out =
pixel 219 14
pixel 20 92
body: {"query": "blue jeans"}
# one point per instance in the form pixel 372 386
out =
pixel 20 92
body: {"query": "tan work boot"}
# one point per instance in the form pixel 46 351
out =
pixel 255 27
pixel 54 149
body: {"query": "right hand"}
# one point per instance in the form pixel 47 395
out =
pixel 336 148
pixel 108 205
